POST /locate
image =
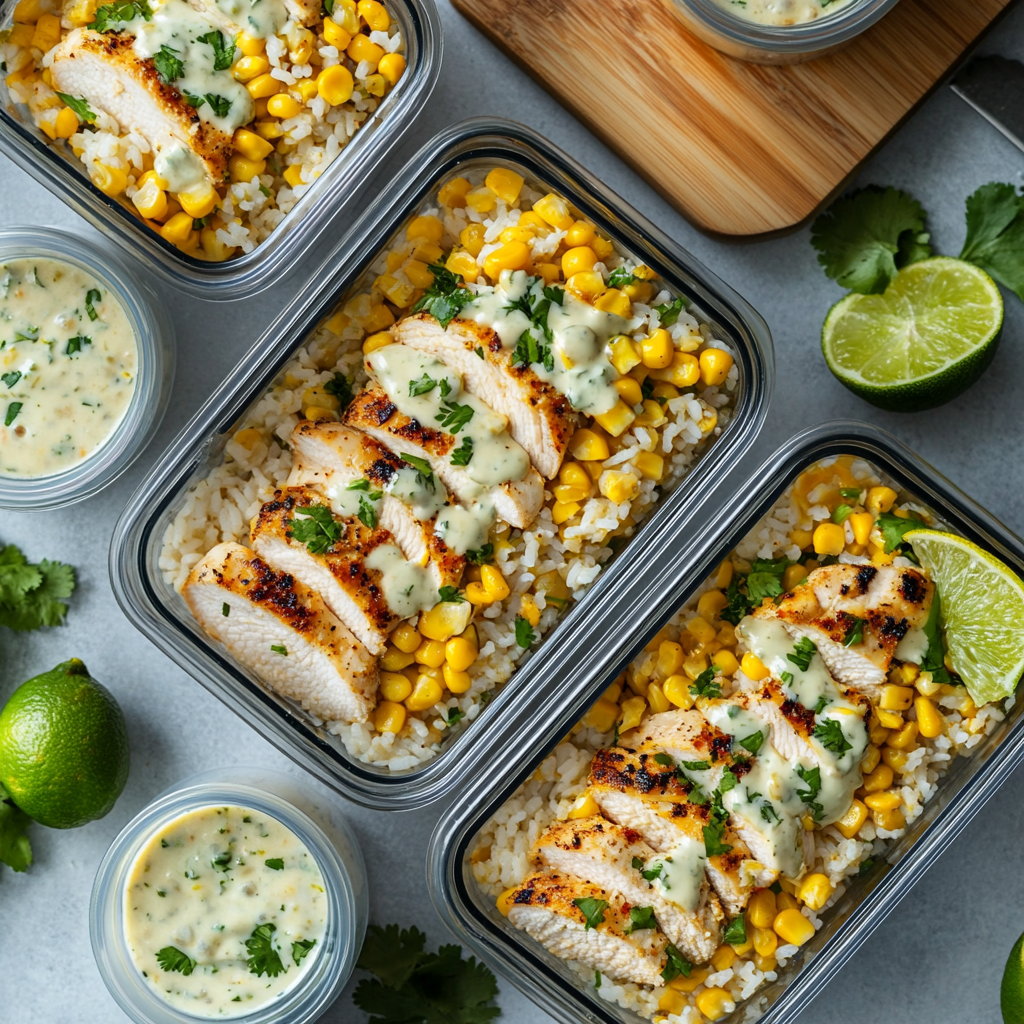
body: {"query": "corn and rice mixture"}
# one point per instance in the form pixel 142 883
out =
pixel 678 388
pixel 830 515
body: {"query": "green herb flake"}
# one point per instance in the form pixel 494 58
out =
pixel 12 413
pixel 422 385
pixel 481 556
pixel 641 919
pixel 92 296
pixel 10 379
pixel 525 635
pixel 445 298
pixel 669 312
pixel 263 958
pixel 317 529
pixel 75 344
pixel 300 950
pixel 592 910
pixel 675 964
pixel 450 595
pixel 169 67
pixel 170 958
pixel 802 653
pixel 223 51
pixel 830 734
pixel 225 609
pixel 752 742
pixel 114 16
pixel 279 649
pixel 453 417
pixel 463 455
pixel 705 685
pixel 855 633
pixel 736 933
pixel 367 513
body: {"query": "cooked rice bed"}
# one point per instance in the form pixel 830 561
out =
pixel 899 761
pixel 550 564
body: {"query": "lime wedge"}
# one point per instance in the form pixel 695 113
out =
pixel 983 609
pixel 1011 994
pixel 920 343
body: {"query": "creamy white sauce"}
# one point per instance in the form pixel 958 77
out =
pixel 682 873
pixel 425 495
pixel 347 498
pixel 408 588
pixel 913 647
pixel 66 379
pixel 203 885
pixel 465 528
pixel 782 12
pixel 260 18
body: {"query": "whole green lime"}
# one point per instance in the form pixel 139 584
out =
pixel 1011 994
pixel 63 747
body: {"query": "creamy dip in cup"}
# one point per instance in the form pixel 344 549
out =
pixel 782 12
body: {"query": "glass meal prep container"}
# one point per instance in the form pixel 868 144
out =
pixel 857 904
pixel 53 164
pixel 763 43
pixel 156 607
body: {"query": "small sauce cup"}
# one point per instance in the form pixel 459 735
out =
pixel 154 374
pixel 301 807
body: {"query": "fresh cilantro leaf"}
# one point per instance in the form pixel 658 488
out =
pixel 75 344
pixel 223 50
pixel 463 455
pixel 535 346
pixel 729 781
pixel 753 742
pixel 695 793
pixel 92 296
pixel 79 106
pixel 455 716
pixel 995 234
pixel 481 556
pixel 29 334
pixel 802 653
pixel 113 17
pixel 675 964
pixel 10 379
pixel 637 864
pixel 444 385
pixel 275 863
pixel 811 777
pixel 713 844
pixel 704 685
pixel 168 65
pixel 444 299
pixel 695 766
pixel 865 866
pixel 738 605
pixel 341 387
pixel 453 417
pixel 359 485
pixel 841 514
pixel 317 529
pixel 650 874
pixel 592 910
pixel 851 492
pixel 736 933
pixel 31 595
pixel 15 848
pixel 192 99
pixel 390 954
pixel 530 350
pixel 451 595
pixel 893 527
pixel 220 105
pixel 524 632
pixel 859 237
pixel 620 277
pixel 664 759
pixel 554 293
pixel 668 313
pixel 597 979
pixel 263 958
pixel 328 6
pixel 171 958
pixel 855 634
pixel 423 470
pixel 786 677
pixel 279 649
pixel 367 513
pixel 300 950
pixel 830 734
pixel 422 386
pixel 769 813
pixel 823 702
pixel 934 660
pixel 641 918
pixel 765 579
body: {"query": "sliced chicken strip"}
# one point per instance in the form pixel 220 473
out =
pixel 516 502
pixel 607 854
pixel 539 416
pixel 283 632
pixel 351 589
pixel 686 736
pixel 825 608
pixel 543 907
pixel 331 456
pixel 104 70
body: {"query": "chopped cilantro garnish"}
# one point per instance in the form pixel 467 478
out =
pixel 893 528
pixel 641 918
pixel 736 933
pixel 275 863
pixel 451 595
pixel 704 685
pixel 279 649
pixel 752 742
pixel 341 387
pixel 463 455
pixel 12 413
pixel 301 949
pixel 75 344
pixel 223 50
pixel 802 653
pixel 668 313
pixel 453 417
pixel 524 632
pixel 812 778
pixel 444 299
pixel 171 958
pixel 481 556
pixel 79 106
pixel 675 964
pixel 115 15
pixel 263 958
pixel 854 634
pixel 830 734
pixel 592 910
pixel 317 529
pixel 367 513
pixel 92 296
pixel 10 379
pixel 168 65
pixel 422 385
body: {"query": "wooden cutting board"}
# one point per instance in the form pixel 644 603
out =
pixel 738 149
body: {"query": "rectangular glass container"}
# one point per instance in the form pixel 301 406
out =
pixel 331 193
pixel 520 745
pixel 159 611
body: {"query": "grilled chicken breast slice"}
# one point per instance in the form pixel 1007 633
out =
pixel 686 736
pixel 349 588
pixel 539 416
pixel 104 70
pixel 283 632
pixel 331 455
pixel 516 502
pixel 543 907
pixel 605 854
pixel 891 602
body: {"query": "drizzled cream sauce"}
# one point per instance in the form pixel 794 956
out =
pixel 67 376
pixel 782 12
pixel 202 885
pixel 408 588
pixel 682 873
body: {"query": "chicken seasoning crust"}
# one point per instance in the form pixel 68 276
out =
pixel 451 459
pixel 688 837
pixel 207 119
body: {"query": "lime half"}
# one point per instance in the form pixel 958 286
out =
pixel 983 611
pixel 1011 994
pixel 922 342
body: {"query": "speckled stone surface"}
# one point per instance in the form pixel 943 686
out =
pixel 936 958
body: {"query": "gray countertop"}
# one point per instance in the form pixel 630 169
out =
pixel 937 957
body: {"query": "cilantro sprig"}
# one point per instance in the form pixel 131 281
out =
pixel 223 49
pixel 15 848
pixel 80 106
pixel 317 529
pixel 32 596
pixel 170 958
pixel 169 66
pixel 445 298
pixel 263 958
pixel 113 17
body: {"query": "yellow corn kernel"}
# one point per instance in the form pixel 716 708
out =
pixel 574 475
pixel 723 577
pixel 671 1001
pixel 389 717
pixel 793 927
pixel 427 227
pixel 445 620
pixel 586 446
pixel 629 390
pixel 563 511
pixel 905 738
pixel 619 487
pixel 462 263
pixel 793 575
pixel 430 653
pixel 460 653
pixel 453 193
pixel 177 229
pixel 801 538
pixel 374 14
pixel 477 595
pixel 880 499
pixel 657 350
pixel 481 199
pixel 47 33
pixel 335 35
pixel 701 629
pixel 670 658
pixel 624 353
pixel 677 690
pixel 714 1003
pixel 726 662
pixel 633 709
pixel 394 686
pixel 493 582
pixel 506 901
pixel 251 46
pixel 682 983
pixel 765 941
pixel 263 86
pixel 617 419
pixel 362 49
pixel 554 211
pixel 248 438
pixel 683 373
pixel 896 698
pixel 579 260
pixel 892 820
pixel 723 958
pixel 392 67
pixel 150 201
pixel 895 759
pixel 652 414
pixel 394 660
pixel 861 524
pixel 869 762
pixel 406 638
pixel 456 681
pixel 316 413
pixel 200 203
pixel 505 184
pixel 785 900
pixel 65 124
pixel 268 130
pixel 248 68
pixel 251 146
pixel 529 610
pixel 28 12
pixel 710 604
pixel 715 364
pixel 602 715
pixel 753 667
pixel 425 694
pixel 335 85
pixel 761 910
pixel 888 719
pixel 829 539
pixel 472 239
pixel 587 285
pixel 585 806
pixel 243 169
pixel 510 256
pixel 650 464
pixel 929 719
pixel 603 247
pixel 283 106
pixel 815 891
pixel 110 180
pixel 850 823
pixel 657 699
pixel 879 779
pixel 581 232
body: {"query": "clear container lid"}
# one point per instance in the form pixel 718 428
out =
pixel 154 338
pixel 520 744
pixel 65 176
pixel 158 610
